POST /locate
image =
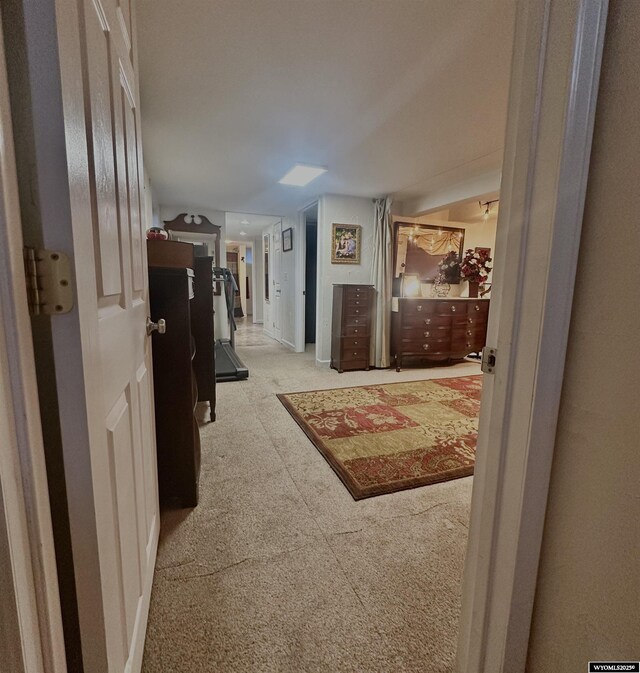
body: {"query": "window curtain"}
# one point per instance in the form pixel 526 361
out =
pixel 382 272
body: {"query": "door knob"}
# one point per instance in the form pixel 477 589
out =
pixel 160 326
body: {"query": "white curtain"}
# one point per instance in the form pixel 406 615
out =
pixel 382 271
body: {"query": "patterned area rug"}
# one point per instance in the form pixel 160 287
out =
pixel 386 438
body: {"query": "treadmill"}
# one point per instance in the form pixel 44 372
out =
pixel 229 367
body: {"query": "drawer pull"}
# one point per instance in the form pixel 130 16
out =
pixel 357 353
pixel 477 307
pixel 427 321
pixel 419 307
pixel 357 310
pixel 468 345
pixel 469 332
pixel 356 321
pixel 453 308
pixel 355 331
pixel 355 343
pixel 425 346
pixel 427 334
pixel 470 321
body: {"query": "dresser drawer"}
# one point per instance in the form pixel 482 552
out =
pixel 353 292
pixel 416 307
pixel 419 346
pixel 357 302
pixel 464 344
pixel 356 330
pixel 349 343
pixel 478 307
pixel 354 354
pixel 356 321
pixel 468 319
pixel 425 332
pixel 429 320
pixel 467 333
pixel 353 311
pixel 451 307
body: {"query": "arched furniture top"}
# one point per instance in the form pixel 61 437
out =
pixel 190 223
pixel 197 224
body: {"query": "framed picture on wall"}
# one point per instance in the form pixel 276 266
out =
pixel 345 243
pixel 287 240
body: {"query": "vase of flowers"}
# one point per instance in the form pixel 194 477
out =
pixel 475 269
pixel 448 272
pixel 449 268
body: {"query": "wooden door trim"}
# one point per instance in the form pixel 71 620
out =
pixel 554 88
pixel 23 488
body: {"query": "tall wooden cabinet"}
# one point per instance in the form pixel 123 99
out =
pixel 171 292
pixel 202 315
pixel 351 326
pixel 437 329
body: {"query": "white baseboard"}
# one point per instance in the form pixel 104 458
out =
pixel 289 344
pixel 323 363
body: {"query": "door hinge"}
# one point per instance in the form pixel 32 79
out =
pixel 48 276
pixel 488 362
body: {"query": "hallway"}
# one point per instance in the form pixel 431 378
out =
pixel 279 569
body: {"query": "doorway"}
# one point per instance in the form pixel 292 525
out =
pixel 310 273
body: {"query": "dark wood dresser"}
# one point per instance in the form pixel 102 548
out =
pixel 202 315
pixel 351 326
pixel 437 329
pixel 174 383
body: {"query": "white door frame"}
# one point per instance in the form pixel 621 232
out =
pixel 300 248
pixel 554 86
pixel 24 494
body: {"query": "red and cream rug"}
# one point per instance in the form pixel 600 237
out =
pixel 386 438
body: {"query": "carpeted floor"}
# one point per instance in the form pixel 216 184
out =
pixel 279 569
pixel 386 438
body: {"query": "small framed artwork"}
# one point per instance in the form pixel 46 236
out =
pixel 287 240
pixel 345 244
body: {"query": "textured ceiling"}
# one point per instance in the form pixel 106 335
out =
pixel 390 95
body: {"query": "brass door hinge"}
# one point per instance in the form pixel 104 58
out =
pixel 489 356
pixel 48 276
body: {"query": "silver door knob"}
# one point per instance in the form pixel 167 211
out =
pixel 160 327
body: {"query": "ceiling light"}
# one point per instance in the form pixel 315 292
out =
pixel 486 207
pixel 243 233
pixel 245 222
pixel 301 175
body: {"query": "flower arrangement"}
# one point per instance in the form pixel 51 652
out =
pixel 449 268
pixel 476 266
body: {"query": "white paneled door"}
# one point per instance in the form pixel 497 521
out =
pixel 92 198
pixel 125 484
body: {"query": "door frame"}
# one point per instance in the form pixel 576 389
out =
pixel 30 564
pixel 553 92
pixel 300 282
pixel 548 145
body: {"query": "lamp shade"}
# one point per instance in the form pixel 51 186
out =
pixel 411 286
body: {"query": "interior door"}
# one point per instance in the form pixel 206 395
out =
pixel 276 283
pixel 125 485
pixel 84 107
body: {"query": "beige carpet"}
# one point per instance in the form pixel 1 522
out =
pixel 280 570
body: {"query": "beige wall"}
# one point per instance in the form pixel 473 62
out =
pixel 588 590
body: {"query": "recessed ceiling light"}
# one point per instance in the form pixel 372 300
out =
pixel 245 222
pixel 301 175
pixel 243 233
